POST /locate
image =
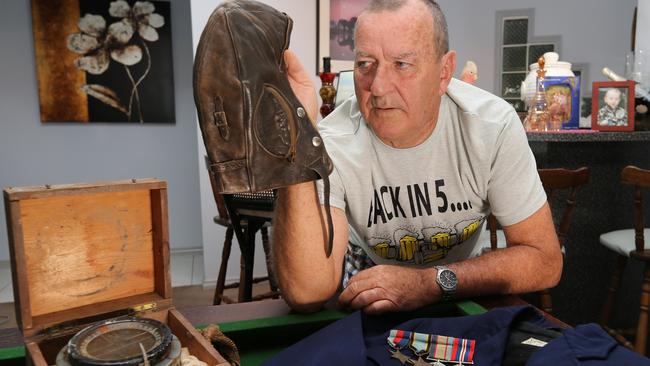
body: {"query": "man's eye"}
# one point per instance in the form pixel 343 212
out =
pixel 363 64
pixel 402 64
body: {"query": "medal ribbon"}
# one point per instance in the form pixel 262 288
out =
pixel 452 349
pixel 438 347
pixel 398 339
pixel 420 343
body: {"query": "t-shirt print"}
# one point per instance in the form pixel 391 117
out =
pixel 417 244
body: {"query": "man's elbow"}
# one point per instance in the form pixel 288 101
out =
pixel 303 305
pixel 553 269
pixel 307 300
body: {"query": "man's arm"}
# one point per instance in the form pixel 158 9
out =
pixel 307 278
pixel 532 261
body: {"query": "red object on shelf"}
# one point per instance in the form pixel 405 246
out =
pixel 327 92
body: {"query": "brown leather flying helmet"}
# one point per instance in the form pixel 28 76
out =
pixel 257 134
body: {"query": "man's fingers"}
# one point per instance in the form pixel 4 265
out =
pixel 380 307
pixel 364 280
pixel 350 292
pixel 367 297
pixel 301 84
pixel 295 70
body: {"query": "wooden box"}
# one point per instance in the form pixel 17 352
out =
pixel 86 252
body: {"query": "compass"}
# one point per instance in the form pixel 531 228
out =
pixel 119 342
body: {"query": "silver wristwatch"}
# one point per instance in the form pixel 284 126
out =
pixel 448 282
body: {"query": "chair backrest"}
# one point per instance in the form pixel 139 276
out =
pixel 554 180
pixel 639 179
pixel 258 204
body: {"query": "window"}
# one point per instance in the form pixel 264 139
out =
pixel 517 52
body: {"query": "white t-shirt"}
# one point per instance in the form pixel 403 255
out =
pixel 421 206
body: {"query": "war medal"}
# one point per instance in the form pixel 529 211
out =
pixel 420 362
pixel 420 343
pixel 399 339
pixel 451 349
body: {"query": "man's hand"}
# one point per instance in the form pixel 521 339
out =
pixel 301 84
pixel 384 288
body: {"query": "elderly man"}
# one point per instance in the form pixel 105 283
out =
pixel 420 160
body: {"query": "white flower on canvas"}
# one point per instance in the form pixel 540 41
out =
pixel 98 44
pixel 141 17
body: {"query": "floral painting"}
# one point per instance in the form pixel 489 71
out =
pixel 104 61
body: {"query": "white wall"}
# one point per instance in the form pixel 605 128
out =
pixel 594 32
pixel 32 153
pixel 303 38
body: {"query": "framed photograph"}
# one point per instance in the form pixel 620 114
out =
pixel 344 87
pixel 104 61
pixel 612 106
pixel 563 100
pixel 335 33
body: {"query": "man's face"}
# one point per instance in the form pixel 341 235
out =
pixel 612 98
pixel 398 78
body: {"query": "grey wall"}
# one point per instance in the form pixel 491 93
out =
pixel 596 32
pixel 32 153
pixel 303 44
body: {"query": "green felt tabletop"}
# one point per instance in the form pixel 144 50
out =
pixel 259 339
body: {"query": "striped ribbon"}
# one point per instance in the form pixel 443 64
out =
pixel 438 347
pixel 399 339
pixel 452 349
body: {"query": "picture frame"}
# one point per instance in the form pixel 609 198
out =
pixel 563 100
pixel 344 86
pixel 614 115
pixel 84 78
pixel 335 32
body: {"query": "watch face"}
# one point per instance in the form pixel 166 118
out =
pixel 448 279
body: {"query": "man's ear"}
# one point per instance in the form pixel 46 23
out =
pixel 447 69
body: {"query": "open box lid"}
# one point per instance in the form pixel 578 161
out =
pixel 82 250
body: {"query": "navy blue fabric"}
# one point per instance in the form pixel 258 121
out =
pixel 339 344
pixel 490 330
pixel 587 345
pixel 359 339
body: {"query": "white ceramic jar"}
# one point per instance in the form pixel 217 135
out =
pixel 553 67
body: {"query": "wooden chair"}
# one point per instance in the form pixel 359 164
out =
pixel 243 215
pixel 553 180
pixel 630 243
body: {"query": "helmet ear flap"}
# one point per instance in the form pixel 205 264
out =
pixel 275 125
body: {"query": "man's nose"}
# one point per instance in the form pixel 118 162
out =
pixel 381 82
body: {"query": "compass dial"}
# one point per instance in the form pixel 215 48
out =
pixel 119 342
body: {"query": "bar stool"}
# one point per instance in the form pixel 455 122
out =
pixel 630 243
pixel 553 180
pixel 243 215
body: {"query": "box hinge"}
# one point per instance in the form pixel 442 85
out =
pixel 144 308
